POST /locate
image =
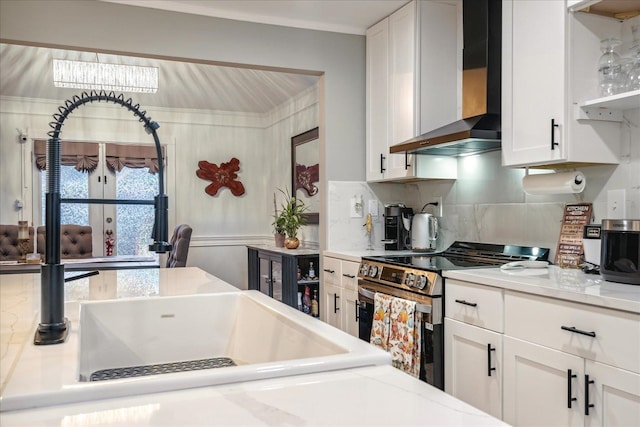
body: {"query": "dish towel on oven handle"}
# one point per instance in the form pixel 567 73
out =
pixel 405 336
pixel 380 324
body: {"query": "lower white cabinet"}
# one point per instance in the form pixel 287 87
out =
pixel 615 394
pixel 548 387
pixel 537 387
pixel 340 294
pixel 555 363
pixel 473 368
pixel 331 303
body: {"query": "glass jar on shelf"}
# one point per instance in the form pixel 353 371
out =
pixel 609 69
pixel 632 81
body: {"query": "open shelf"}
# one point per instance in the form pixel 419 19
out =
pixel 616 9
pixel 621 101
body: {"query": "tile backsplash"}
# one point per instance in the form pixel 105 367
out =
pixel 486 203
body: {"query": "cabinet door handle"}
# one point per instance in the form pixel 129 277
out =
pixel 350 276
pixel 578 331
pixel 489 368
pixel 382 157
pixel 587 405
pixel 406 161
pixel 570 398
pixel 357 310
pixel 554 125
pixel 335 303
pixel 328 270
pixel 471 304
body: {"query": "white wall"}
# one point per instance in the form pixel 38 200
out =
pixel 340 58
pixel 222 225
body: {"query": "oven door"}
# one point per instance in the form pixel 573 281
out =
pixel 432 345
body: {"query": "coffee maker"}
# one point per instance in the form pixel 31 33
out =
pixel 397 223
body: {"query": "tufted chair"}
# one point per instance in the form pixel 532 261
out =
pixel 75 241
pixel 180 242
pixel 9 250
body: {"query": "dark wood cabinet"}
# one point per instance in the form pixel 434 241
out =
pixel 282 273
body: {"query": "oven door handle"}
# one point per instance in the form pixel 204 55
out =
pixel 420 308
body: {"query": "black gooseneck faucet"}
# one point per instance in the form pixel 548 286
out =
pixel 54 327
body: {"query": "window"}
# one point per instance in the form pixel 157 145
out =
pixel 110 177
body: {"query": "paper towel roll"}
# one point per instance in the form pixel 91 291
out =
pixel 554 183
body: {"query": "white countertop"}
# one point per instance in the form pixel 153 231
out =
pixel 354 396
pixel 567 284
pixel 379 395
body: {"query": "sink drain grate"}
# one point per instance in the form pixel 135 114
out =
pixel 162 368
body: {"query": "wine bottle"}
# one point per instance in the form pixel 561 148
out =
pixel 315 312
pixel 312 272
pixel 306 300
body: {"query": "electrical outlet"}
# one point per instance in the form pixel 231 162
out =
pixel 373 207
pixel 616 204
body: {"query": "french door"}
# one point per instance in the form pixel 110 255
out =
pixel 130 225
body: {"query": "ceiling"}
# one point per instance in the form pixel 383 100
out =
pixel 340 16
pixel 27 71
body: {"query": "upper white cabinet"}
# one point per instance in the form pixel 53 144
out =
pixel 549 69
pixel 398 48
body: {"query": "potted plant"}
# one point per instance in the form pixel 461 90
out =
pixel 279 232
pixel 291 219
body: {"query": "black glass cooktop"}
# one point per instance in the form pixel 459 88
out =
pixel 461 255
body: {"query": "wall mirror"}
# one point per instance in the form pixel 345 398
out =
pixel 305 172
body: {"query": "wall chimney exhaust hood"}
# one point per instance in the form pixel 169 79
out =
pixel 479 131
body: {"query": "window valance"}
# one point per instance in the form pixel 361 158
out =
pixel 82 155
pixel 132 156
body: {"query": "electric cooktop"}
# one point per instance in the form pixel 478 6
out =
pixel 461 255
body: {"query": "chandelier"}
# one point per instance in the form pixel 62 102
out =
pixel 107 77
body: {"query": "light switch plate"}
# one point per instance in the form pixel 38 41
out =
pixel 355 210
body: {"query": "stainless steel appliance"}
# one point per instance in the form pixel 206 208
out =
pixel 418 277
pixel 397 222
pixel 424 232
pixel 620 251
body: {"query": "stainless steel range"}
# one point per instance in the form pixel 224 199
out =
pixel 418 277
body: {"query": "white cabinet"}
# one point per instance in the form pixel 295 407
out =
pixel 615 395
pixel 538 386
pixel 473 345
pixel 545 74
pixel 549 387
pixel 540 361
pixel 473 368
pixel 394 94
pixel 569 364
pixel 340 293
pixel 377 80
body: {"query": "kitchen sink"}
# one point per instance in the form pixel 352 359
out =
pixel 176 342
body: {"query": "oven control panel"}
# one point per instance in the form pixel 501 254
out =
pixel 416 280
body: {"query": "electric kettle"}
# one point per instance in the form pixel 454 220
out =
pixel 424 232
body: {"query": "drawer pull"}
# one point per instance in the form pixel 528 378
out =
pixel 570 398
pixel 587 405
pixel 328 270
pixel 578 331
pixel 471 304
pixel 350 276
pixel 489 368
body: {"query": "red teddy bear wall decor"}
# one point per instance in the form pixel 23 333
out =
pixel 223 176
